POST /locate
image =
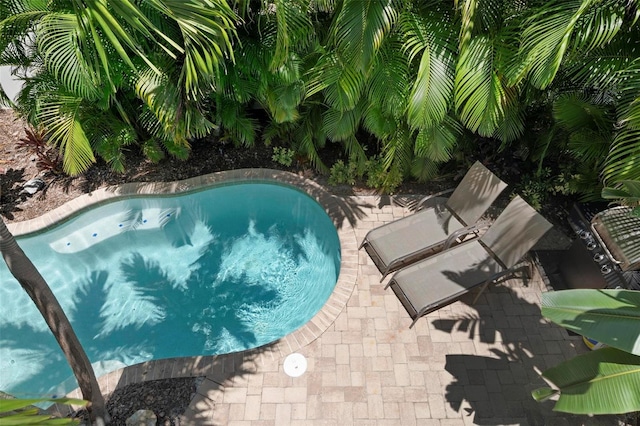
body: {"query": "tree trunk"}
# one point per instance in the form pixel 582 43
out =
pixel 37 288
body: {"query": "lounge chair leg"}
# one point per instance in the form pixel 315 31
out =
pixel 482 289
pixel 415 320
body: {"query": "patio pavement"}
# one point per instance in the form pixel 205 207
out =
pixel 460 365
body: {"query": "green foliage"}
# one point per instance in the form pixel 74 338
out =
pixel 605 381
pixel 379 177
pixel 147 66
pixel 373 171
pixel 535 188
pixel 283 156
pixel 627 193
pixel 413 75
pixel 341 173
pixel 22 412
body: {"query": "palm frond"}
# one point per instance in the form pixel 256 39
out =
pixel 169 115
pixel 599 25
pixel 562 26
pixel 232 117
pixel 108 136
pixel 437 143
pixel 61 115
pixel 360 29
pixel 588 145
pixel 479 91
pixel 60 41
pixel 628 96
pixel 341 125
pixel 355 151
pixel 623 161
pixel 575 110
pixel 207 28
pixel 307 145
pixel 512 125
pixel 377 122
pixel 294 29
pixel 341 83
pixel 423 169
pixel 388 85
pixel 398 150
pixel 429 37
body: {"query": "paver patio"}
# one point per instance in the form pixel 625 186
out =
pixel 459 365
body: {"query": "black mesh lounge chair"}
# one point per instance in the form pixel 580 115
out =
pixel 401 242
pixel 439 280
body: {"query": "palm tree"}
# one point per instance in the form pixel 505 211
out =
pixel 582 54
pixel 36 287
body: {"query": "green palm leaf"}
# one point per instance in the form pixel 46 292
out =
pixel 437 143
pixel 512 125
pixel 61 114
pixel 342 84
pixel 547 37
pixel 360 29
pixel 341 125
pixel 605 381
pixel 623 161
pixel 294 29
pixel 432 89
pixel 429 37
pixel 60 41
pixel 626 193
pixel 478 89
pixel 376 122
pixel 207 27
pixel 574 111
pixel 398 150
pixel 388 86
pixel 608 316
pixel 599 25
pixel 19 412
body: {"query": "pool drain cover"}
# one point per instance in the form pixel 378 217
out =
pixel 295 365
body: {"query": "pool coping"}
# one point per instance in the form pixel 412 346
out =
pixel 218 369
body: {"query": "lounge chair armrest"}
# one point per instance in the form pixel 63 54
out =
pixel 432 196
pixel 462 232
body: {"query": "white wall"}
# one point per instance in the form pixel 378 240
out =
pixel 10 85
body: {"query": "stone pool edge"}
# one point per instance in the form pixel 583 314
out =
pixel 219 370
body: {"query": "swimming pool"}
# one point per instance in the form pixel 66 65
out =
pixel 216 271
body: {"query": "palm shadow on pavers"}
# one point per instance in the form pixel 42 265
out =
pixel 512 344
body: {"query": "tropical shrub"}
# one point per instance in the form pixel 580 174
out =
pixel 102 75
pixel 283 156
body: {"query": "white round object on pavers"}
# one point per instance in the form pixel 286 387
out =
pixel 295 365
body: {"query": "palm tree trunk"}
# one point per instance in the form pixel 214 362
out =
pixel 37 288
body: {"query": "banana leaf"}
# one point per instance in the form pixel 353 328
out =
pixel 22 412
pixel 605 381
pixel 611 317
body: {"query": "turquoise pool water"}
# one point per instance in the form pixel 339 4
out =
pixel 222 270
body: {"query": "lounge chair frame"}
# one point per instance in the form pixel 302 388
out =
pixel 468 218
pixel 488 248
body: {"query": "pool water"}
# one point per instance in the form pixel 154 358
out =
pixel 222 270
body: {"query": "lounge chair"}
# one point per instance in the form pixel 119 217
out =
pixel 401 242
pixel 441 279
